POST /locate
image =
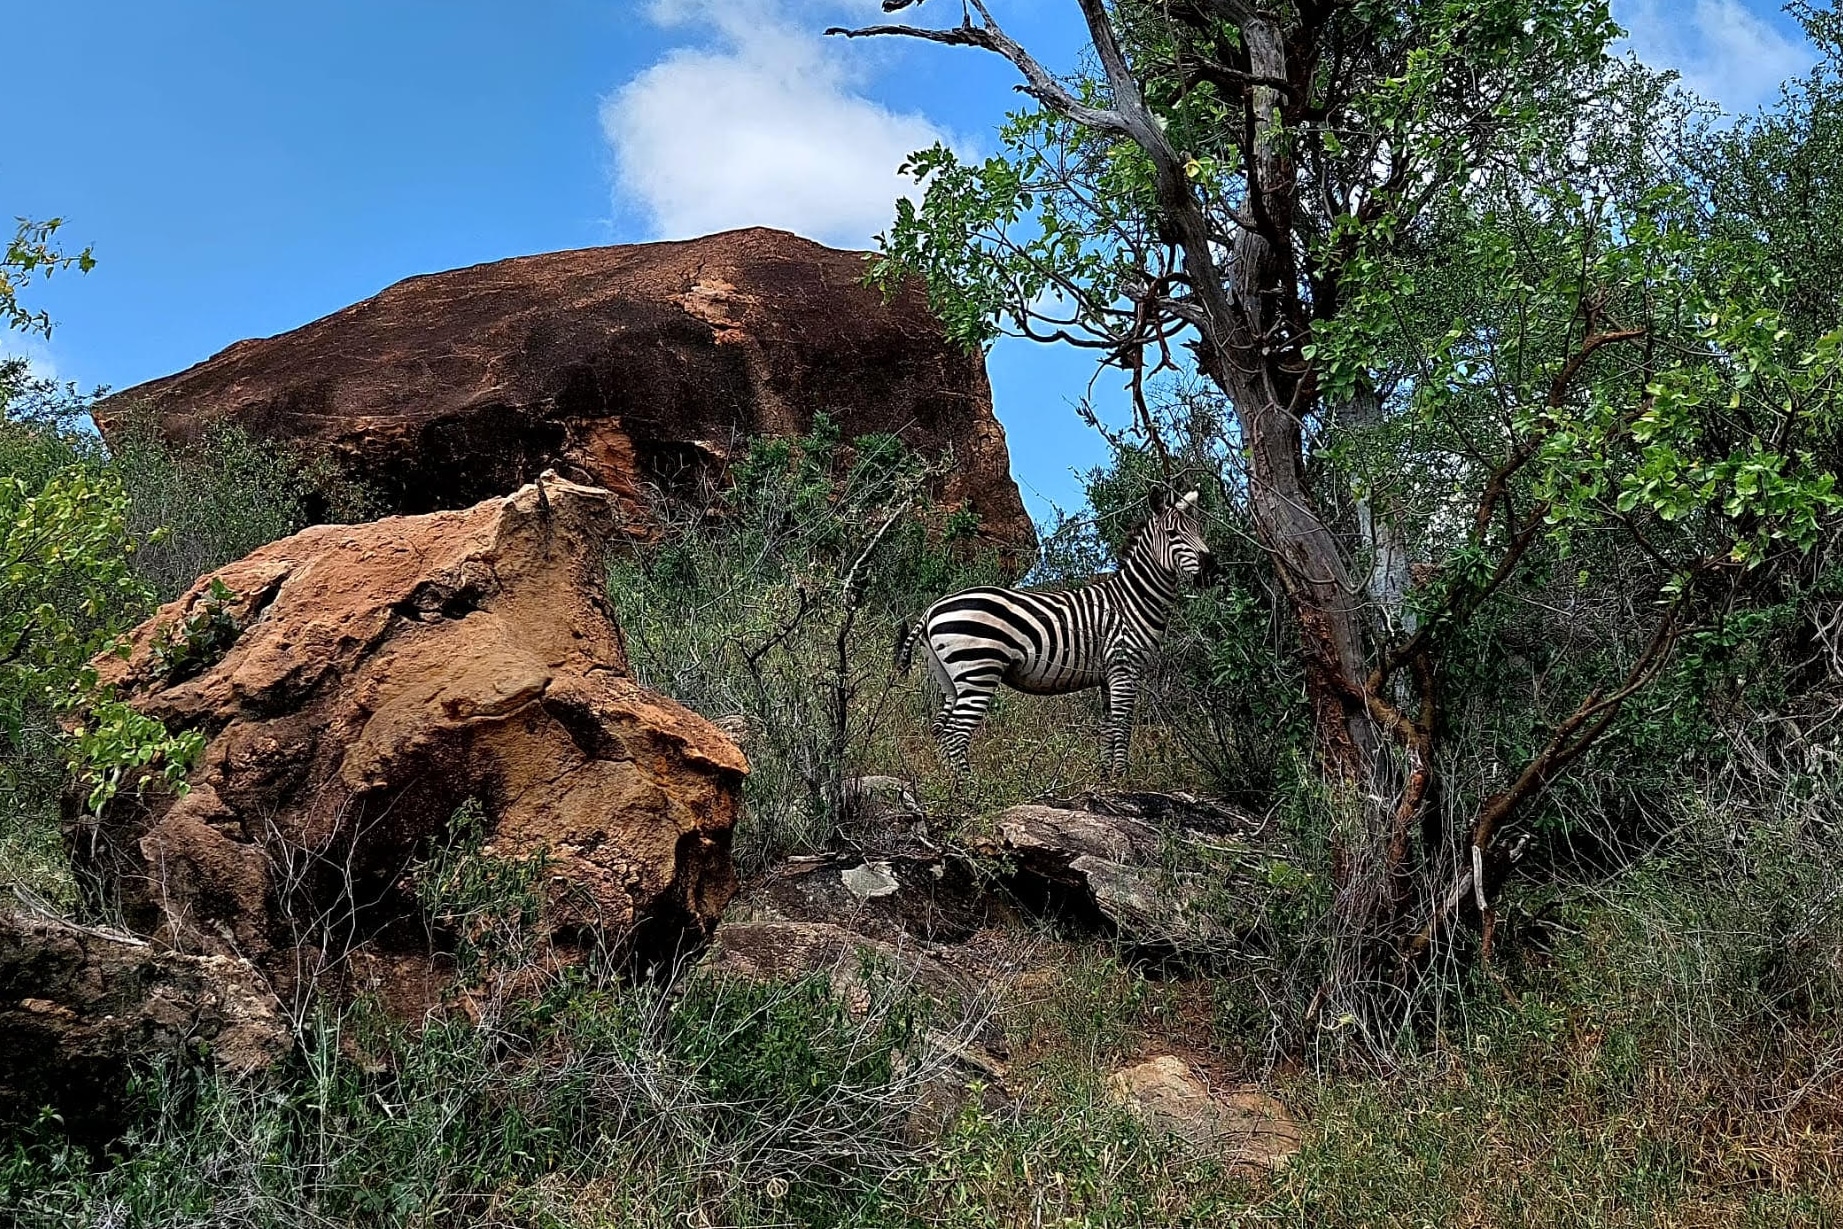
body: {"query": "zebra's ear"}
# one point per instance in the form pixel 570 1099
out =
pixel 1189 501
pixel 1160 499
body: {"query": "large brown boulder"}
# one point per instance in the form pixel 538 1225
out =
pixel 616 365
pixel 378 677
pixel 80 1007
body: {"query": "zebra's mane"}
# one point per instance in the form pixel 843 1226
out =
pixel 1143 534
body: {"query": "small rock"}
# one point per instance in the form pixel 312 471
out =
pixel 870 880
pixel 1246 1126
pixel 1064 833
pixel 1154 906
pixel 938 899
pixel 1175 810
pixel 770 950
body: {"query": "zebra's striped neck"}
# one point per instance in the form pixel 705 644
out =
pixel 1147 588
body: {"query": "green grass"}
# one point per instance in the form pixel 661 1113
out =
pixel 597 1104
pixel 1539 1113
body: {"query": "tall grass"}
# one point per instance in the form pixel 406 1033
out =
pixel 722 1103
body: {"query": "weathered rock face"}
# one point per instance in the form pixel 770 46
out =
pixel 927 925
pixel 379 677
pixel 616 365
pixel 1124 862
pixel 79 1006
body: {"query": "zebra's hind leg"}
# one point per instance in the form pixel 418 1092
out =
pixel 944 683
pixel 936 724
pixel 963 715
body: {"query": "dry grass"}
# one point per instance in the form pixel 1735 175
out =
pixel 1533 1118
pixel 1030 747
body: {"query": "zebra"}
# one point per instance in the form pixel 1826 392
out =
pixel 1056 641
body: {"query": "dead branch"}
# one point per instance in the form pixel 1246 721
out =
pixel 1569 741
pixel 1040 83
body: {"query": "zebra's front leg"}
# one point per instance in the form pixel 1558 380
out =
pixel 955 726
pixel 1117 726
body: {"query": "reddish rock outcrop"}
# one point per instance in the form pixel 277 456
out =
pixel 616 365
pixel 379 677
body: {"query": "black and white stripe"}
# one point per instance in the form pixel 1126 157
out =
pixel 1056 641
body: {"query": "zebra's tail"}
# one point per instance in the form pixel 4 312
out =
pixel 906 636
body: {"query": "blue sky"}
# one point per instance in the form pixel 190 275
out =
pixel 243 168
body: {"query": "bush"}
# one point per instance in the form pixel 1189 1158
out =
pixel 67 593
pixel 775 606
pixel 718 1103
pixel 220 499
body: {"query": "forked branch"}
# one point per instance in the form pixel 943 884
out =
pixel 1039 82
pixel 1569 741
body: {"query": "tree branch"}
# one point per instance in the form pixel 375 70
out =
pixel 1569 741
pixel 1040 83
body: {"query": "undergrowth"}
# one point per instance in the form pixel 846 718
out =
pixel 724 1102
pixel 1560 1097
pixel 1654 1042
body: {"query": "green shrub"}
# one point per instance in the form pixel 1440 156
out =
pixel 485 905
pixel 183 650
pixel 726 1103
pixel 68 591
pixel 776 606
pixel 220 498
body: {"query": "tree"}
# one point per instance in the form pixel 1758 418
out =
pixel 67 589
pixel 1425 255
pixel 67 593
pixel 1776 180
pixel 34 253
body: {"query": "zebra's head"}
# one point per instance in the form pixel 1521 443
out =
pixel 1175 537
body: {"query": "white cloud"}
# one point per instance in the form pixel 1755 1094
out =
pixel 39 361
pixel 760 122
pixel 1724 51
